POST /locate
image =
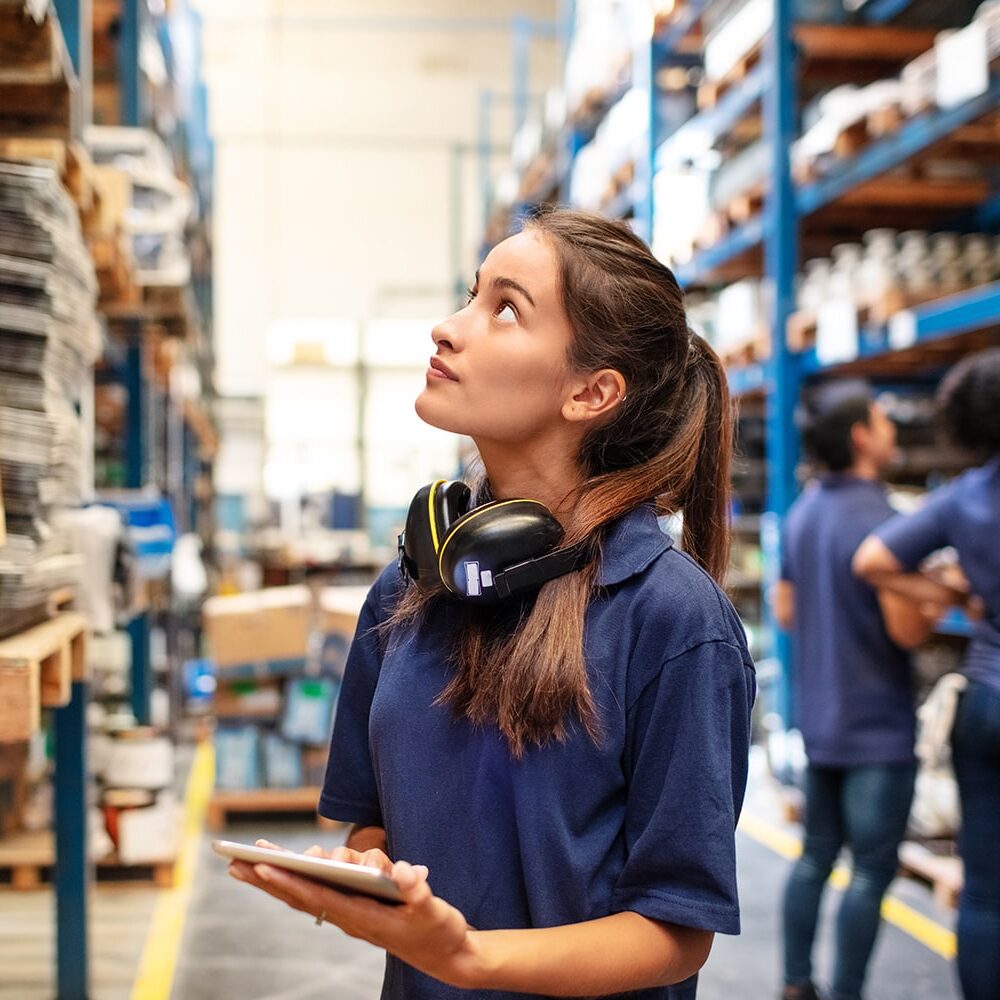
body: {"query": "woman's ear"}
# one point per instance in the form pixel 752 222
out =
pixel 597 395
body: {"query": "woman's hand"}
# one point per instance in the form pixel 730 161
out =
pixel 425 931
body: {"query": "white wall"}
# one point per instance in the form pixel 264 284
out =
pixel 335 127
pixel 346 139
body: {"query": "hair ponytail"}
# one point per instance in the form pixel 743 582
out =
pixel 706 502
pixel 669 443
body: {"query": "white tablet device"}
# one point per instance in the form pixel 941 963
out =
pixel 340 875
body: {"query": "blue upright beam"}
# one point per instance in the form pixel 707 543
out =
pixel 781 257
pixel 130 101
pixel 70 19
pixel 138 630
pixel 484 131
pixel 136 408
pixel 136 454
pixel 641 194
pixel 71 857
pixel 520 40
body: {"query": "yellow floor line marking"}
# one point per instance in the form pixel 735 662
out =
pixel 159 957
pixel 928 932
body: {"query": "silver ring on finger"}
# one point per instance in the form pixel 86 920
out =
pixel 320 919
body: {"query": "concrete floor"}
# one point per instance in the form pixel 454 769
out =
pixel 119 922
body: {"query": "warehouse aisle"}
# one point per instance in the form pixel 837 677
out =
pixel 238 943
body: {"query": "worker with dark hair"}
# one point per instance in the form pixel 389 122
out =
pixel 853 700
pixel 964 514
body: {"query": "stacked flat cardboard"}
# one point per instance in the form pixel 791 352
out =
pixel 49 336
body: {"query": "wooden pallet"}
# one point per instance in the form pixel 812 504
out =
pixel 37 669
pixel 943 872
pixel 225 804
pixel 27 861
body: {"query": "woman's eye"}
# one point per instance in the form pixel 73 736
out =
pixel 507 314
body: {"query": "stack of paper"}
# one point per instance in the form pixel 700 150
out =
pixel 49 337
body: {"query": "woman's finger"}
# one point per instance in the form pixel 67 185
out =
pixel 260 842
pixel 316 852
pixel 412 883
pixel 345 854
pixel 376 859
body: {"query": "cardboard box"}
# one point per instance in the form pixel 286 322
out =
pixel 339 608
pixel 266 625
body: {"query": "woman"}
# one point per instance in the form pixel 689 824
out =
pixel 568 765
pixel 964 514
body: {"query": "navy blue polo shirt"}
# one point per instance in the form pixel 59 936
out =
pixel 573 831
pixel 853 685
pixel 966 515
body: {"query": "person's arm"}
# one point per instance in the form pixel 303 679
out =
pixel 906 623
pixel 619 953
pixel 878 565
pixel 783 604
pixel 615 954
pixel 364 838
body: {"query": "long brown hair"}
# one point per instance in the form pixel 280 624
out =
pixel 670 441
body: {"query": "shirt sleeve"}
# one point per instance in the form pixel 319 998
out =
pixel 913 537
pixel 350 791
pixel 687 749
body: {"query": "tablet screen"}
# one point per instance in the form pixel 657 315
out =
pixel 339 874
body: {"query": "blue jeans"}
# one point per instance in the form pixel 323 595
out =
pixel 976 757
pixel 865 808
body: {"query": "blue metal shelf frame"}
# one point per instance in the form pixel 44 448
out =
pixel 912 138
pixel 72 867
pixel 136 463
pixel 679 26
pixel 781 259
pixel 713 123
pixel 975 309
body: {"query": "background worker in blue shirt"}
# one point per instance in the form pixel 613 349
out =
pixel 965 514
pixel 553 779
pixel 852 687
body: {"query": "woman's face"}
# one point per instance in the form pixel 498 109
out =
pixel 500 371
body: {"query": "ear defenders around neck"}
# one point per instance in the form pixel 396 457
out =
pixel 485 554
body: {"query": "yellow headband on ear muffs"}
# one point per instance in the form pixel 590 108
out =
pixel 486 554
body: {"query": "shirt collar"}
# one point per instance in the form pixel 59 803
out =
pixel 837 479
pixel 631 544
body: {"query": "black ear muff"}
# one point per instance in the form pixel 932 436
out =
pixel 433 511
pixel 491 540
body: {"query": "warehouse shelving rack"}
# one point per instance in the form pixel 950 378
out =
pixel 916 342
pixel 73 29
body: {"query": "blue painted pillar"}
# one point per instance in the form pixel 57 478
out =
pixel 130 101
pixel 135 414
pixel 643 78
pixel 521 51
pixel 781 255
pixel 484 129
pixel 136 451
pixel 72 868
pixel 138 630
